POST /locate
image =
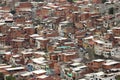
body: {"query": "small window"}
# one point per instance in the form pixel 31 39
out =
pixel 91 63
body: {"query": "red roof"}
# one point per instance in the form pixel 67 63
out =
pixel 25 5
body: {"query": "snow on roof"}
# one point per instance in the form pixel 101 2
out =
pixel 34 35
pixel 5 66
pixel 98 60
pixel 61 8
pixel 68 42
pixel 109 60
pixel 64 22
pixel 99 41
pixel 21 38
pixel 2 23
pixel 36 2
pixel 90 37
pixel 50 4
pixel 62 38
pixel 76 12
pixel 8 19
pixel 42 53
pixel 108 2
pixel 26 74
pixel 75 64
pixel 111 63
pixel 117 37
pixel 19 24
pixel 40 60
pixel 14 27
pixel 27 27
pixel 79 68
pixel 15 56
pixel 83 66
pixel 116 28
pixel 77 59
pixel 18 40
pixel 55 6
pixel 41 38
pixel 92 29
pixel 7 53
pixel 76 69
pixel 42 76
pixel 115 69
pixel 89 75
pixel 45 7
pixel 29 50
pixel 15 68
pixel 99 73
pixel 24 52
pixel 67 54
pixel 41 71
pixel 81 79
pixel 1 34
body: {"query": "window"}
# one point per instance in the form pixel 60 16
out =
pixel 91 63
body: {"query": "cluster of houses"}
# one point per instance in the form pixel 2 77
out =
pixel 60 39
pixel 98 68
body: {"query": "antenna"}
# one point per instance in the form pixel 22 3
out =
pixel 13 5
